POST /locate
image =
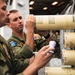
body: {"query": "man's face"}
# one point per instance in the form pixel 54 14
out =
pixel 16 22
pixel 3 13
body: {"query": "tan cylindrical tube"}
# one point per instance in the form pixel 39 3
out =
pixel 68 57
pixel 55 22
pixel 59 71
pixel 69 39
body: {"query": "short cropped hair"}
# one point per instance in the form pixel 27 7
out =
pixel 13 11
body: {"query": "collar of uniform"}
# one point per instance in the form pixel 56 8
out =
pixel 2 40
pixel 18 38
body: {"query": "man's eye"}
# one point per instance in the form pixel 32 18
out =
pixel 15 19
pixel 4 8
pixel 20 17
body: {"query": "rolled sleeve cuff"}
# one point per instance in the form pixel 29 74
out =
pixel 27 51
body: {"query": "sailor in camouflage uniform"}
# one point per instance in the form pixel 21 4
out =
pixel 14 64
pixel 9 63
pixel 17 40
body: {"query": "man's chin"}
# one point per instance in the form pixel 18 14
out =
pixel 2 25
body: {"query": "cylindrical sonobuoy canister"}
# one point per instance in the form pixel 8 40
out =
pixel 55 22
pixel 69 39
pixel 68 57
pixel 59 71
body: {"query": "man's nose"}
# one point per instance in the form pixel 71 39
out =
pixel 7 12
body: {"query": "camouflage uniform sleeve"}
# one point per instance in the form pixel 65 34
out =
pixel 26 52
pixel 21 61
pixel 22 52
pixel 19 65
pixel 40 43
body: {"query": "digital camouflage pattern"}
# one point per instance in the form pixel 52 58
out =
pixel 11 64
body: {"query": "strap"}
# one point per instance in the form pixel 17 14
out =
pixel 69 9
pixel 6 57
pixel 72 11
pixel 8 60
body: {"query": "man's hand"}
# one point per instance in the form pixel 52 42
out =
pixel 42 57
pixel 30 23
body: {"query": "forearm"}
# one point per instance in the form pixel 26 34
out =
pixel 19 65
pixel 30 39
pixel 31 70
pixel 30 25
